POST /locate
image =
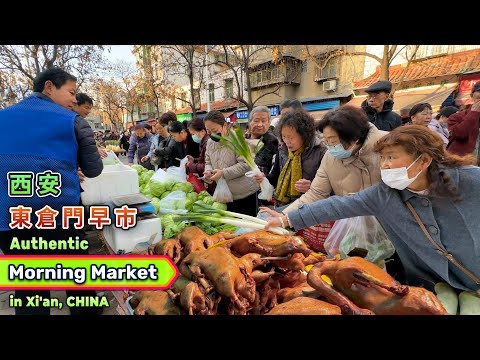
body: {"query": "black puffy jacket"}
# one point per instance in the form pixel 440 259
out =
pixel 384 120
pixel 264 157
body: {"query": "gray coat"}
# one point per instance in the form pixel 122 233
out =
pixel 453 225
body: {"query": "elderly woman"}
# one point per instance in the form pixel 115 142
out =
pixel 427 203
pixel 298 158
pixel 259 125
pixel 350 164
pixel 221 162
pixel 421 114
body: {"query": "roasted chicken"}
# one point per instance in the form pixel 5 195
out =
pixel 153 303
pixel 360 287
pixel 303 290
pixel 170 248
pixel 305 306
pixel 268 244
pixel 217 268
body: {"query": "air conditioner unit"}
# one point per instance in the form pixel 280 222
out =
pixel 330 85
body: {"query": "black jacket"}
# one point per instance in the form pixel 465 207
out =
pixel 384 120
pixel 88 157
pixel 264 157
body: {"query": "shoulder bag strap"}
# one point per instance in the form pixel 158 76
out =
pixel 439 248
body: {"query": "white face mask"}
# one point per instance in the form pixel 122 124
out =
pixel 398 178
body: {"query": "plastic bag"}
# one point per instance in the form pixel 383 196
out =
pixel 361 232
pixel 222 193
pixel 266 188
pixel 198 184
pixel 178 173
pixel 173 203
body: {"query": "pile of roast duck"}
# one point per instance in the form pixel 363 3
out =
pixel 263 273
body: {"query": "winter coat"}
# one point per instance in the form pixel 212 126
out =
pixel 384 120
pixel 463 127
pixel 345 176
pixel 198 166
pixel 264 158
pixel 311 159
pixel 454 225
pixel 218 156
pixel 439 129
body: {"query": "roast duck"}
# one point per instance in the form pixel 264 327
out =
pixel 263 273
pixel 360 287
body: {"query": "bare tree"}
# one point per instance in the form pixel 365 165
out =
pixel 243 61
pixel 23 62
pixel 180 61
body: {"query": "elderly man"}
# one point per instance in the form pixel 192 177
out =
pixel 259 124
pixel 140 145
pixel 378 106
pixel 463 126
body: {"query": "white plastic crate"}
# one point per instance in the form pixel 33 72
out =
pixel 113 181
pixel 144 234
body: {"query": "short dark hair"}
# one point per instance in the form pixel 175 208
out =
pixel 215 116
pixel 301 121
pixel 349 122
pixel 57 76
pixel 138 127
pixel 176 127
pixel 196 124
pixel 148 126
pixel 166 117
pixel 419 108
pixel 83 98
pixel 294 104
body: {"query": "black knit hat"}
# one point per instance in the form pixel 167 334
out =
pixel 448 110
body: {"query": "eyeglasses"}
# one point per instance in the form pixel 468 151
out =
pixel 372 95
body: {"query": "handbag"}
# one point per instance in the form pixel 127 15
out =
pixel 441 250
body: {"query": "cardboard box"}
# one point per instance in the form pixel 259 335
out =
pixel 316 235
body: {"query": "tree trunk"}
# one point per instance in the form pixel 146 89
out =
pixel 384 71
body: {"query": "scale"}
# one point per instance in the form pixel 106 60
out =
pixel 139 201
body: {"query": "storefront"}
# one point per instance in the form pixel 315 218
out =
pixel 465 89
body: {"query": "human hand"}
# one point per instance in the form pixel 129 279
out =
pixel 217 174
pixel 273 213
pixel 103 153
pixel 207 174
pixel 144 158
pixel 277 221
pixel 303 185
pixel 189 159
pixel 81 175
pixel 259 178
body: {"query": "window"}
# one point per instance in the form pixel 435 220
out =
pixel 328 72
pixel 305 66
pixel 229 88
pixel 211 93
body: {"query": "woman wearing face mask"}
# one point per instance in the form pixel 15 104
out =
pixel 199 134
pixel 220 162
pixel 418 177
pixel 298 157
pixel 350 164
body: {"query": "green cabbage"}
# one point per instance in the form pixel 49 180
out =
pixel 157 188
pixel 170 227
pixel 186 187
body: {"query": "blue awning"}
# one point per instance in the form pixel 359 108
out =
pixel 336 96
pixel 324 105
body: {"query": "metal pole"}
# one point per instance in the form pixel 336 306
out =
pixel 207 85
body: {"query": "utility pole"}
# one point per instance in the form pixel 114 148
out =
pixel 207 85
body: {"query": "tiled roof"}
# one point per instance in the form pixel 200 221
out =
pixel 217 105
pixel 458 63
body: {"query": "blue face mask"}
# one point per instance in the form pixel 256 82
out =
pixel 339 151
pixel 196 139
